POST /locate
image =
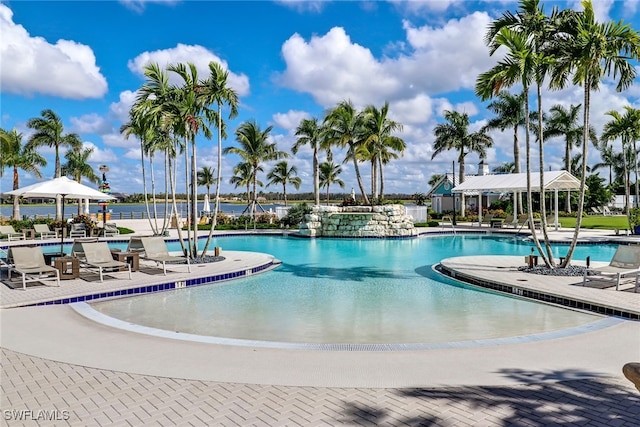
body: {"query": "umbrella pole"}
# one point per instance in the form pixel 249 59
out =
pixel 64 227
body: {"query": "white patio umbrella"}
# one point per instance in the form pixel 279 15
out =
pixel 63 186
pixel 206 206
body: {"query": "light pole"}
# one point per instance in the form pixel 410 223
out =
pixel 104 187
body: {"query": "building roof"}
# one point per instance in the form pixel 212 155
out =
pixel 517 182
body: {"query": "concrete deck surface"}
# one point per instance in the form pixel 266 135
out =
pixel 85 373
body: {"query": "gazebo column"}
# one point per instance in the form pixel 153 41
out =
pixel 515 206
pixel 556 219
pixel 479 208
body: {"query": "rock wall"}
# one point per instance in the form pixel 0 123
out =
pixel 357 221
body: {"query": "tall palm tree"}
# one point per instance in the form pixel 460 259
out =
pixel 254 149
pixel 524 35
pixel 191 114
pixel 564 122
pixel 454 135
pixel 216 91
pixel 77 167
pixel 310 132
pixel 609 160
pixel 381 144
pixel 345 129
pixel 625 127
pixel 244 177
pixel 206 178
pixel 588 51
pixel 17 156
pixel 49 131
pixel 282 174
pixel 329 174
pixel 509 114
pixel 434 179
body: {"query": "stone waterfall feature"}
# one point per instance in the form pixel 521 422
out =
pixel 357 221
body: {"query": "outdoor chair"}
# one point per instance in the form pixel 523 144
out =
pixel 30 264
pixel 155 249
pixel 10 234
pixel 76 248
pixel 98 255
pixel 44 232
pixel 626 261
pixel 486 219
pixel 78 230
pixel 110 229
pixel 509 221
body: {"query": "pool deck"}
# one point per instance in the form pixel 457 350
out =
pixel 54 359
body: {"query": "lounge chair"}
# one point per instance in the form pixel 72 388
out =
pixel 155 249
pixel 11 234
pixel 626 261
pixel 98 255
pixel 30 264
pixel 110 229
pixel 486 220
pixel 78 230
pixel 44 232
pixel 76 248
pixel 509 221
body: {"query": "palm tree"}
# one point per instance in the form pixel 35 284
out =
pixel 454 135
pixel 609 160
pixel 49 131
pixel 206 178
pixel 329 174
pixel 381 145
pixel 189 111
pixel 77 167
pixel 564 122
pixel 309 131
pixel 18 156
pixel 510 112
pixel 254 149
pixel 345 129
pixel 435 178
pixel 283 174
pixel 506 167
pixel 625 127
pixel 244 176
pixel 216 91
pixel 589 51
pixel 524 35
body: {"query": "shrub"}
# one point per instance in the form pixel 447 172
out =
pixel 296 215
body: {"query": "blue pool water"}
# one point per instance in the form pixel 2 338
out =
pixel 354 291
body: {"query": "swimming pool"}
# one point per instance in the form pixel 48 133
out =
pixel 354 291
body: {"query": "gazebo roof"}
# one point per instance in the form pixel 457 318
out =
pixel 517 182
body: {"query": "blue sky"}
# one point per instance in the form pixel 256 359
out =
pixel 287 61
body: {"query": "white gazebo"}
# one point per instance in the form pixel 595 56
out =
pixel 517 183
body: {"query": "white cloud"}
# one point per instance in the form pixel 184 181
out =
pixel 120 110
pixel 302 6
pixel 31 65
pixel 290 120
pixel 91 123
pixel 197 55
pixel 139 5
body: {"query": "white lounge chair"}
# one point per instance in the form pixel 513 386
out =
pixel 11 234
pixel 30 264
pixel 44 232
pixel 155 249
pixel 111 229
pixel 626 261
pixel 77 230
pixel 98 255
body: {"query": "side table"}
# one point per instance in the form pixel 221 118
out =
pixel 69 267
pixel 133 258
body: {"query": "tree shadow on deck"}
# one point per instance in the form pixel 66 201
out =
pixel 566 398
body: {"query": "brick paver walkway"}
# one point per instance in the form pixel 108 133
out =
pixel 86 396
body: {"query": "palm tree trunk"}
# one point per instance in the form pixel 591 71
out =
pixel 381 180
pixel 214 221
pixel 359 178
pixel 548 259
pixel 172 181
pixel 16 199
pixel 188 195
pixel 583 178
pixel 635 166
pixel 463 208
pixel 194 197
pixel 316 177
pixel 284 192
pixel 516 165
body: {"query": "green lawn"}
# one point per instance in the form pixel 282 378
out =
pixel 598 222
